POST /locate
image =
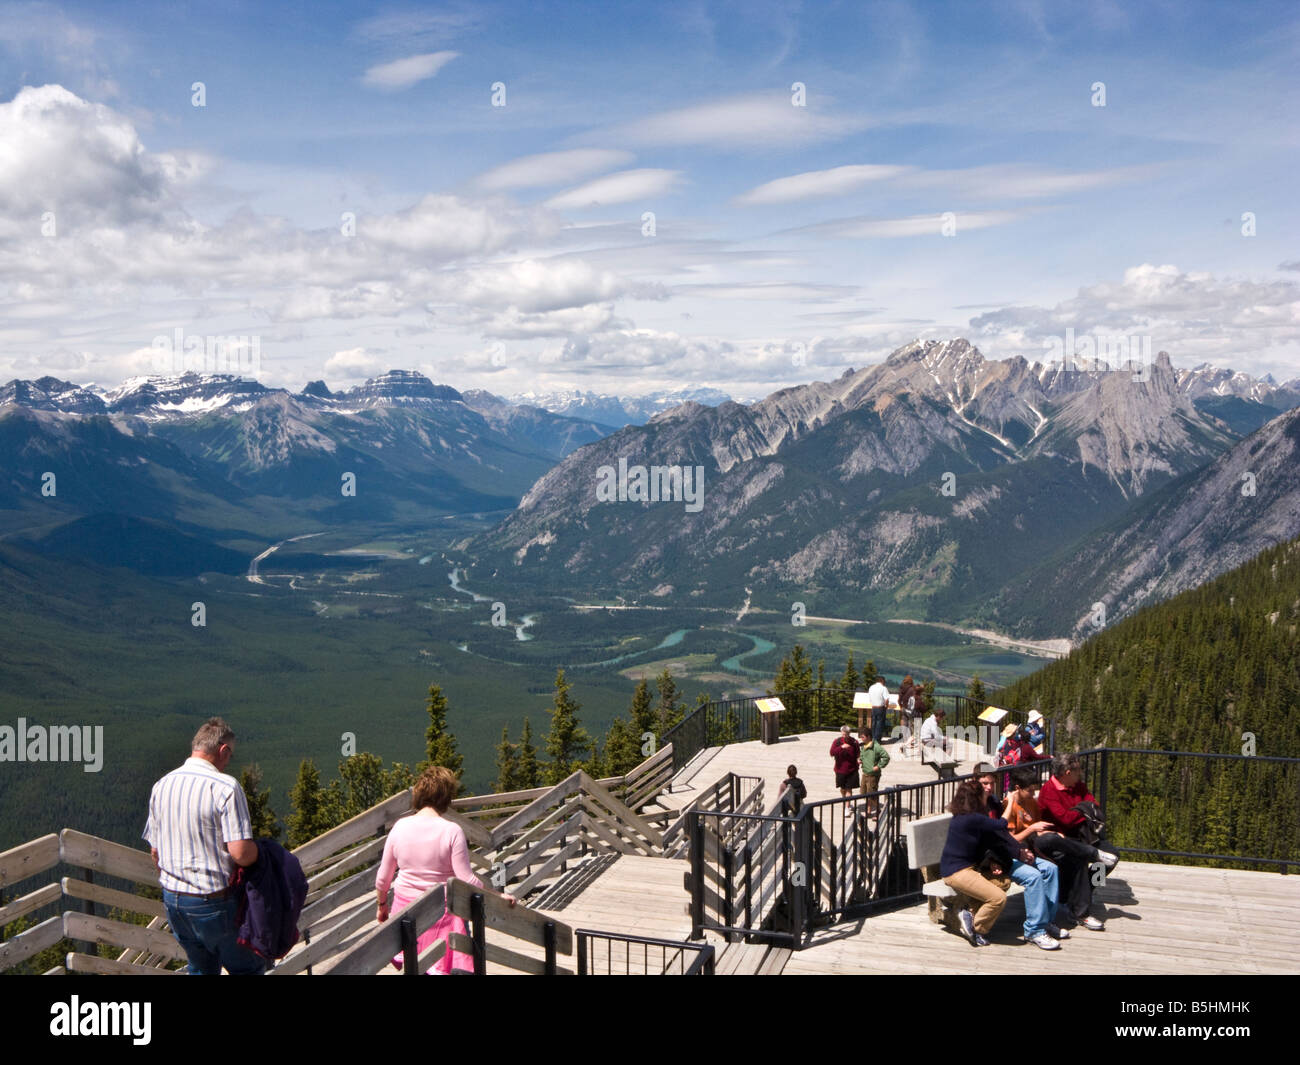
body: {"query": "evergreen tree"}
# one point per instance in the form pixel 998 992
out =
pixel 567 743
pixel 794 674
pixel 669 711
pixel 265 823
pixel 310 816
pixel 439 743
pixel 364 782
pixel 507 763
pixel 643 718
pixel 976 689
pixel 622 748
pixel 849 682
pixel 528 770
pixel 868 675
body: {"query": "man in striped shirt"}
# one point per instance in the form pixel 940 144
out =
pixel 198 831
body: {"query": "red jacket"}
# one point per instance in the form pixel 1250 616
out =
pixel 1057 803
pixel 845 753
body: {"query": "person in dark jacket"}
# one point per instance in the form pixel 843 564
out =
pixel 274 890
pixel 973 835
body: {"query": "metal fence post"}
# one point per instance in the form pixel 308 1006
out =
pixel 477 933
pixel 695 833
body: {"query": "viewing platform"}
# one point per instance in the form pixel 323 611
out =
pixel 690 864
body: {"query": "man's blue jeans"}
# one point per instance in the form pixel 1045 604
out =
pixel 1042 890
pixel 206 930
pixel 877 723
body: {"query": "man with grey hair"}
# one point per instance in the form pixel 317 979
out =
pixel 198 831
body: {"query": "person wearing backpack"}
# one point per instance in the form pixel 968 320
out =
pixel 795 786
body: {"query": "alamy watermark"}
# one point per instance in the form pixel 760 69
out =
pixel 654 484
pixel 57 743
pixel 178 354
pixel 1100 351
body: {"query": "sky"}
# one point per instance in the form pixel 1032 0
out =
pixel 622 197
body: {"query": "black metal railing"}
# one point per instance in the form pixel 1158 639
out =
pixel 749 887
pixel 844 858
pixel 614 954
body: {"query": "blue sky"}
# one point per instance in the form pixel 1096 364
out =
pixel 506 247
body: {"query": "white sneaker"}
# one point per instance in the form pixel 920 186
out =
pixel 1107 858
pixel 1092 924
pixel 1057 932
pixel 1043 940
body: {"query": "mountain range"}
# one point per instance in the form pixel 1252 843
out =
pixel 928 486
pixel 937 484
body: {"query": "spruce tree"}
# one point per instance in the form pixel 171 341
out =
pixel 976 689
pixel 439 743
pixel 528 770
pixel 642 712
pixel 310 816
pixel 669 711
pixel 567 744
pixel 265 823
pixel 622 748
pixel 507 763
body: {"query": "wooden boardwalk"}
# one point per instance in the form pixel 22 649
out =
pixel 1159 919
pixel 810 753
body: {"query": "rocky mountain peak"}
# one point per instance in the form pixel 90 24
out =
pixel 399 388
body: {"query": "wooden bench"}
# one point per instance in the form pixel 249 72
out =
pixel 941 761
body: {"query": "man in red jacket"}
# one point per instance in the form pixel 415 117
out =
pixel 1077 859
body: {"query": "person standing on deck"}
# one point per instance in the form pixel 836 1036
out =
pixel 198 831
pixel 878 699
pixel 845 752
pixel 874 759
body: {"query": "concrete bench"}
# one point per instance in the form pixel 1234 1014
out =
pixel 926 837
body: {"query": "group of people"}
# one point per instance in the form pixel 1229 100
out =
pixel 1049 840
pixel 867 754
pixel 201 838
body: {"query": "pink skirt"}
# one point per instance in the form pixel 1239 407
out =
pixel 446 924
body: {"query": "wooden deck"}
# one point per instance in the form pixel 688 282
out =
pixel 810 753
pixel 1160 919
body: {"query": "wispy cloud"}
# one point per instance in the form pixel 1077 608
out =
pixel 627 186
pixel 818 184
pixel 743 122
pixel 403 73
pixel 551 168
pixel 924 225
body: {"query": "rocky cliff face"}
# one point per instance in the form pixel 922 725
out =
pixel 910 485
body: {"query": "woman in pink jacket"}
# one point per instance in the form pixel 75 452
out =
pixel 424 850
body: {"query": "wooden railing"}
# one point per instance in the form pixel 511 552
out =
pixel 518 842
pixel 732 794
pixel 483 912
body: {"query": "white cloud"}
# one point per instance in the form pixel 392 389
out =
pixel 513 324
pixel 1196 317
pixel 84 162
pixel 816 184
pixel 551 168
pixel 627 186
pixel 403 73
pixel 451 227
pixel 355 364
pixel 928 225
pixel 1018 182
pixel 756 121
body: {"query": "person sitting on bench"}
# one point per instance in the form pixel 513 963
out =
pixel 1077 857
pixel 973 836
